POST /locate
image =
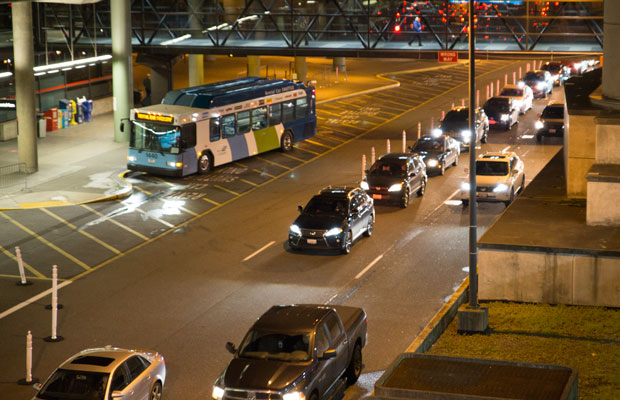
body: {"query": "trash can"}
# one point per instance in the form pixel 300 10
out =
pixel 42 127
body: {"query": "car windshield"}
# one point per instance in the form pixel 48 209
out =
pixel 514 92
pixel 75 385
pixel 383 168
pixel 429 145
pixel 457 116
pixel 293 347
pixel 154 137
pixel 324 205
pixel 553 113
pixel 491 168
pixel 534 76
pixel 496 104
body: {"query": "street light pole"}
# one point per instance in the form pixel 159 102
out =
pixel 473 251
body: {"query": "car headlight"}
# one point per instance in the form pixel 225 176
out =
pixel 465 186
pixel 505 117
pixel 540 86
pixel 218 393
pixel 437 132
pixel 395 187
pixel 364 185
pixel 294 396
pixel 131 158
pixel 500 188
pixel 466 134
pixel 334 232
pixel 295 229
pixel 432 163
pixel 539 125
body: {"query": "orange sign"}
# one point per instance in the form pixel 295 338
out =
pixel 154 117
pixel 447 56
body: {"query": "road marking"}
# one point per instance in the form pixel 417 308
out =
pixel 32 300
pixel 226 190
pixel 293 157
pixel 259 250
pixel 505 149
pixel 125 227
pixel 317 143
pixel 143 190
pixel 75 228
pixel 272 162
pixel 47 242
pixel 28 267
pixel 327 137
pixel 308 151
pixel 369 266
pixel 527 136
pixel 44 278
pixel 441 204
pixel 211 201
pixel 161 221
pixel 263 173
pixel 248 182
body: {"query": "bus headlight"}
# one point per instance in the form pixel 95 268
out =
pixel 294 396
pixel 539 125
pixel 218 393
pixel 465 186
pixel 294 229
pixel 395 187
pixel 174 164
pixel 364 185
pixel 432 163
pixel 334 232
pixel 502 187
pixel 131 158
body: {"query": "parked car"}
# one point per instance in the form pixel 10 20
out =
pixel 333 219
pixel 502 112
pixel 394 177
pixel 456 124
pixel 107 373
pixel 540 82
pixel 550 121
pixel 437 152
pixel 499 178
pixel 559 73
pixel 296 352
pixel 576 67
pixel 521 94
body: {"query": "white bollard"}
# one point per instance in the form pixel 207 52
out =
pixel 514 77
pixel 20 265
pixel 505 81
pixel 520 72
pixel 54 337
pixel 527 67
pixel 29 380
pixel 443 115
pixel 492 89
pixel 388 145
pixel 497 88
pixel 363 165
pixel 452 106
pixel 419 130
pixel 404 141
pixel 487 92
pixel 372 155
pixel 462 102
pixel 336 74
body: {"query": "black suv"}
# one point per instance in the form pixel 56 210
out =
pixel 394 177
pixel 501 112
pixel 333 219
pixel 550 122
pixel 456 124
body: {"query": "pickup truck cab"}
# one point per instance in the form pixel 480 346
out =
pixel 295 352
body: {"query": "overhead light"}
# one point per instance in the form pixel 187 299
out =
pixel 5 74
pixel 70 64
pixel 175 40
pixel 40 73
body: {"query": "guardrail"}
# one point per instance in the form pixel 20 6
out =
pixel 13 175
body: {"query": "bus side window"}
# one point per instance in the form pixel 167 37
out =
pixel 228 126
pixel 275 114
pixel 188 135
pixel 259 118
pixel 301 108
pixel 288 111
pixel 243 122
pixel 214 129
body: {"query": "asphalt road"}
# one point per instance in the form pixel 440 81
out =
pixel 185 265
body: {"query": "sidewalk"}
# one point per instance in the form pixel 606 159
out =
pixel 83 164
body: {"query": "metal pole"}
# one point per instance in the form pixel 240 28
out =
pixel 20 265
pixel 473 253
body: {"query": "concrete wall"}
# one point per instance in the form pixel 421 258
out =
pixel 103 106
pixel 602 207
pixel 607 141
pixel 554 278
pixel 579 152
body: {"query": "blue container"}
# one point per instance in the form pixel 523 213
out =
pixel 87 110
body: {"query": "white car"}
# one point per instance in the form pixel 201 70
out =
pixel 521 94
pixel 499 178
pixel 107 373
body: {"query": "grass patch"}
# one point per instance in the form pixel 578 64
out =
pixel 584 338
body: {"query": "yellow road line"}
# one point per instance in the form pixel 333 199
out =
pixel 317 143
pixel 265 173
pixel 226 190
pixel 46 242
pixel 345 133
pixel 26 265
pixel 188 211
pixel 112 220
pixel 211 201
pixel 163 180
pixel 41 278
pixel 307 151
pixel 241 165
pixel 161 221
pixel 142 190
pixel 248 182
pixel 75 228
pixel 327 137
pixel 273 162
pixel 292 157
pixel 329 112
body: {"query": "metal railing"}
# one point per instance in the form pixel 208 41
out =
pixel 13 175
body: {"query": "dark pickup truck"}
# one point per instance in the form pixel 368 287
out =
pixel 296 352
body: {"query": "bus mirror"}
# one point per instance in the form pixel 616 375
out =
pixel 122 126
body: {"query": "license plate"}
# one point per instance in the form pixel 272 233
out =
pixel 551 130
pixel 376 196
pixel 151 161
pixel 311 241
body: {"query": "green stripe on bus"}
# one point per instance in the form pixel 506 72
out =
pixel 266 139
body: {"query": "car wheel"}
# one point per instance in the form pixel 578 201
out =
pixel 522 184
pixel 347 243
pixel 156 391
pixel 286 142
pixel 292 246
pixel 465 203
pixel 512 197
pixel 404 201
pixel 370 226
pixel 354 369
pixel 205 163
pixel 422 188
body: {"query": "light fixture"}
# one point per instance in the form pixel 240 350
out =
pixel 175 40
pixel 69 64
pixel 5 74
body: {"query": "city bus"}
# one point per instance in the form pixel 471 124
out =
pixel 196 129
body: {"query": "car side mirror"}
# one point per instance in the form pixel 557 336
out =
pixel 231 347
pixel 300 208
pixel 117 394
pixel 37 386
pixel 327 354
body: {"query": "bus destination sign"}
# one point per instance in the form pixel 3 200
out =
pixel 154 117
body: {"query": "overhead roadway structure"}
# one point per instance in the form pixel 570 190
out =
pixel 325 27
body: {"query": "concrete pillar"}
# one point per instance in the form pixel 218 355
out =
pixel 122 78
pixel 341 63
pixel 23 53
pixel 611 61
pixel 253 65
pixel 195 63
pixel 210 57
pixel 301 69
pixel 161 83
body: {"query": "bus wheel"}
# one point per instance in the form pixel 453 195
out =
pixel 204 163
pixel 286 142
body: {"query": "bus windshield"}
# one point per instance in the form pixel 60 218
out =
pixel 155 137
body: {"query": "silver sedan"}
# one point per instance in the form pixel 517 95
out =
pixel 107 373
